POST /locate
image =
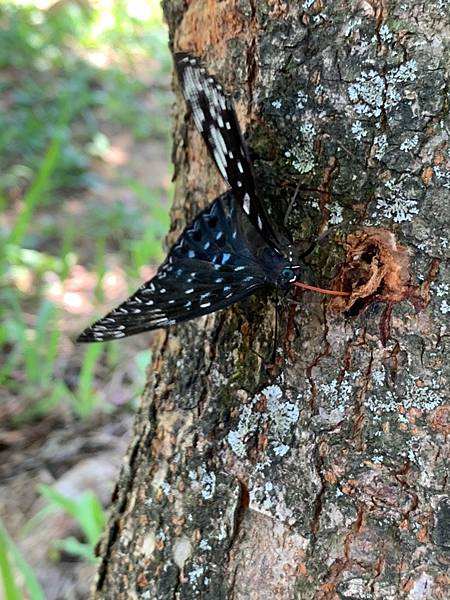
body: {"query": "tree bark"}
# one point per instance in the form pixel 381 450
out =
pixel 324 475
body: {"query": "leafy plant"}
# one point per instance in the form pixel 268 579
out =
pixel 87 511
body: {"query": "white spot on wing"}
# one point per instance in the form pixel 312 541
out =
pixel 246 205
pixel 162 321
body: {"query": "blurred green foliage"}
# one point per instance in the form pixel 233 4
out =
pixel 74 76
pixel 70 76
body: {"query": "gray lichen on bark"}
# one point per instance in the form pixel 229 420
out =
pixel 325 475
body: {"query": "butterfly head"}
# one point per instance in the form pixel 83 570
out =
pixel 288 276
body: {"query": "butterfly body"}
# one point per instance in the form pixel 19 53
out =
pixel 228 252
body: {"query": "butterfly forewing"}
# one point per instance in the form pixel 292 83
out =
pixel 215 262
pixel 216 121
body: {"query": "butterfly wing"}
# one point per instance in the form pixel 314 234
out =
pixel 216 121
pixel 218 260
pixel 228 252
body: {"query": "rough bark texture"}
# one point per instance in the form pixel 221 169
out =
pixel 322 476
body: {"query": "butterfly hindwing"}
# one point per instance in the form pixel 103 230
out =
pixel 213 264
pixel 216 121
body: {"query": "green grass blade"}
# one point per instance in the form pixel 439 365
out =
pixel 11 329
pixel 46 343
pixel 72 546
pixel 43 406
pixel 85 393
pixel 9 584
pixel 91 517
pixel 100 266
pixel 32 348
pixel 42 179
pixel 32 585
pixel 59 500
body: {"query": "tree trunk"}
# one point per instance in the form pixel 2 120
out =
pixel 322 476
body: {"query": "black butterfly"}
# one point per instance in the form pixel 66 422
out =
pixel 228 252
